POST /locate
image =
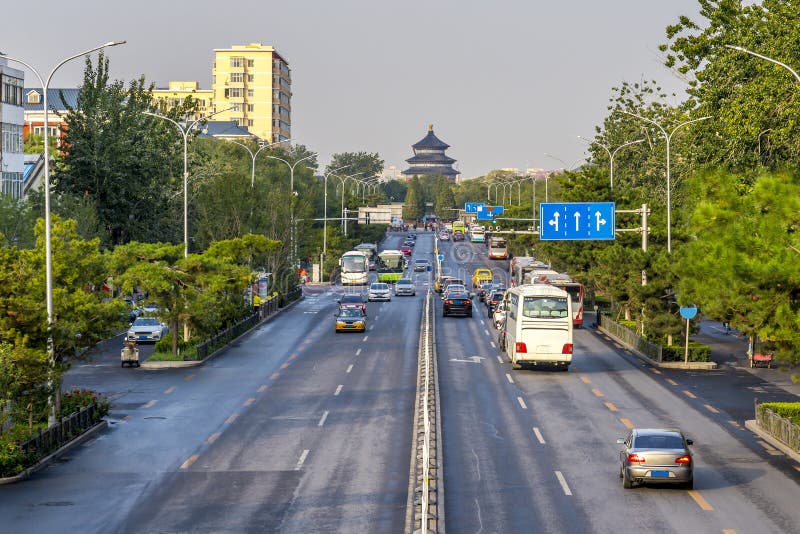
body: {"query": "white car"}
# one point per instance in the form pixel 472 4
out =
pixel 405 286
pixel 146 329
pixel 498 316
pixel 379 291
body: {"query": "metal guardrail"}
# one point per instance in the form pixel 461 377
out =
pixel 628 337
pixel 426 471
pixel 781 428
pixel 51 438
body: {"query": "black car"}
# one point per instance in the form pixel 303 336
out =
pixel 457 303
pixel 492 301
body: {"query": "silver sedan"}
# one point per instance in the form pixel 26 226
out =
pixel 656 455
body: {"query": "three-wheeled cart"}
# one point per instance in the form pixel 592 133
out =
pixel 758 359
pixel 130 354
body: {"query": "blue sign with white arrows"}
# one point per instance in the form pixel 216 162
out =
pixel 472 207
pixel 576 221
pixel 488 213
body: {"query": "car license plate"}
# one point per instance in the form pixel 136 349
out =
pixel 458 302
pixel 142 337
pixel 659 473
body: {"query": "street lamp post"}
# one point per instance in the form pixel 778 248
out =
pixel 344 183
pixel 611 154
pixel 185 133
pixel 48 251
pixel 253 156
pixel 775 61
pixel 325 218
pixel 668 137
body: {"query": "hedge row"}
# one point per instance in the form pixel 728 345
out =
pixel 697 353
pixel 790 410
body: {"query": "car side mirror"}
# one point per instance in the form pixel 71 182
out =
pixel 621 441
pixel 689 441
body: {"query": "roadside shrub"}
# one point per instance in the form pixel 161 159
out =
pixel 73 401
pixel 164 345
pixel 790 410
pixel 697 353
pixel 12 458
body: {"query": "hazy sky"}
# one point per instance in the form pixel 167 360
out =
pixel 502 81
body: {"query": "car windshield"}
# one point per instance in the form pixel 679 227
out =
pixel 658 441
pixel 352 298
pixel 350 312
pixel 379 286
pixel 146 322
pixel 404 282
pixel 497 295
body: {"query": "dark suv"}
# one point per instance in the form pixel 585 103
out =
pixel 492 300
pixel 457 303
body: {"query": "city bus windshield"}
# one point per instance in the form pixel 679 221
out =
pixel 390 263
pixel 354 264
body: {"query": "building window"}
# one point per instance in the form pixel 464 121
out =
pixel 237 77
pixel 251 92
pixel 39 130
pixel 233 92
pixel 12 90
pixel 236 106
pixel 250 122
pixel 12 138
pixel 251 78
pixel 251 63
pixel 237 62
pixel 251 108
pixel 34 98
pixel 11 184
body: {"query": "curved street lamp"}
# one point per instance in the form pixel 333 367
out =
pixel 48 251
pixel 253 156
pixel 668 137
pixel 611 153
pixel 185 133
pixel 756 54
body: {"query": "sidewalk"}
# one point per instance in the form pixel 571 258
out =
pixel 730 350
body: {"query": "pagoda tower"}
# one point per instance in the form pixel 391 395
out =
pixel 430 158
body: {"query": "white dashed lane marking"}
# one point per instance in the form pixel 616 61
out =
pixel 302 460
pixel 323 418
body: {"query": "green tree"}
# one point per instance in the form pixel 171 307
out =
pixel 395 190
pixel 17 220
pixel 414 206
pixel 34 144
pixel 444 201
pixel 368 164
pixel 125 164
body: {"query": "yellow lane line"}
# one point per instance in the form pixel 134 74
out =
pixel 170 390
pixel 261 388
pixel 728 531
pixel 701 502
pixel 213 437
pixel 769 448
pixel 656 371
pixel 734 424
pixel 189 461
pixel 689 394
pixel 190 377
pixel 126 418
pixel 285 365
pixel 610 406
pixel 293 356
pixel 627 422
pixel 671 382
pixel 585 380
pixel 711 408
pixel 231 419
pixel 275 375
pixel 249 401
pixel 149 404
pixel 597 392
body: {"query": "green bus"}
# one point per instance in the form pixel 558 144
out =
pixel 390 266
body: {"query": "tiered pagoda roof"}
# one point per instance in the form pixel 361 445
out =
pixel 429 157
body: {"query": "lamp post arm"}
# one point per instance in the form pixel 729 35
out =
pixel 775 61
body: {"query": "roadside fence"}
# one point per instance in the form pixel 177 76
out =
pixel 781 428
pixel 630 338
pixel 51 438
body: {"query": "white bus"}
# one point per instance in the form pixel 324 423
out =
pixel 538 326
pixel 477 233
pixel 354 266
pixel 371 249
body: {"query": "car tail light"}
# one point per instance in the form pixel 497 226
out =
pixel 467 302
pixel 635 458
pixel 448 301
pixel 522 347
pixel 684 460
pixel 567 348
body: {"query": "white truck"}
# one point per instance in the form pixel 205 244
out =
pixel 538 326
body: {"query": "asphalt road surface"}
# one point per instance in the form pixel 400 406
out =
pixel 535 451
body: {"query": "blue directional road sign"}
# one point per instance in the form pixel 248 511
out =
pixel 472 207
pixel 576 221
pixel 488 213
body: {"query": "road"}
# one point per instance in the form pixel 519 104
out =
pixel 535 451
pixel 294 429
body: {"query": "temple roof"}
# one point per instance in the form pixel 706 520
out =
pixel 443 169
pixel 443 159
pixel 430 141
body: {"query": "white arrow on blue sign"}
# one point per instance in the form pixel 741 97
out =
pixel 488 213
pixel 472 207
pixel 576 221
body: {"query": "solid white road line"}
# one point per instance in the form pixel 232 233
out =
pixel 499 359
pixel 563 482
pixel 322 419
pixel 358 352
pixel 522 403
pixel 538 435
pixel 302 460
pixel 510 380
pixel 338 390
pixel 349 368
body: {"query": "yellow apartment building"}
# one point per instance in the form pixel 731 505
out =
pixel 179 90
pixel 255 82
